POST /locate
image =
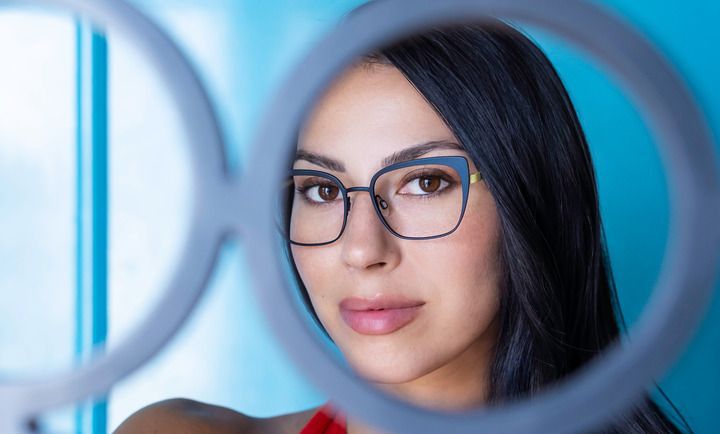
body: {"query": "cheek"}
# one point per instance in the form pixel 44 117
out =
pixel 477 245
pixel 316 271
pixel 466 268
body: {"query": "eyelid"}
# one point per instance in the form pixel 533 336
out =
pixel 314 180
pixel 428 172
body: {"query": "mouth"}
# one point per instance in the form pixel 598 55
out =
pixel 380 315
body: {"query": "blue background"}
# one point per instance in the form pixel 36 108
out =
pixel 266 37
pixel 224 354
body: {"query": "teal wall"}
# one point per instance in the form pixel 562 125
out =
pixel 632 185
pixel 688 34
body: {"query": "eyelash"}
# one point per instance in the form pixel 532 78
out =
pixel 312 183
pixel 443 176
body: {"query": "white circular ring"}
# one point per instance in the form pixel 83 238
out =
pixel 612 381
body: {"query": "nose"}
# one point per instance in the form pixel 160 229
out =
pixel 366 244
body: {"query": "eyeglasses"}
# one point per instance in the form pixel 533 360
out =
pixel 415 200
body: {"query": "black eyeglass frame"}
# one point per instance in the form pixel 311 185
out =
pixel 457 162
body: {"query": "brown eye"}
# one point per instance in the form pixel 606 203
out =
pixel 328 192
pixel 429 184
pixel 319 191
pixel 425 185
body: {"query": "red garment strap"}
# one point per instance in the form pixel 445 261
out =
pixel 326 421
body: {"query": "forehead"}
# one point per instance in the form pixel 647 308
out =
pixel 370 112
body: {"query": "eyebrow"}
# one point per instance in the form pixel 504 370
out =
pixel 406 154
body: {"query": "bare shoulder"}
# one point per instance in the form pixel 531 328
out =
pixel 185 416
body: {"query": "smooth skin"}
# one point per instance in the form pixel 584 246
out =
pixel 442 358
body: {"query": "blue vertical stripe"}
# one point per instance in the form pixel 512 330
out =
pixel 100 210
pixel 79 203
pixel 92 211
pixel 79 207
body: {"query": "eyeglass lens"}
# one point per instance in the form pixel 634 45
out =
pixel 416 201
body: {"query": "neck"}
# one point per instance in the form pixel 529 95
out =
pixel 461 384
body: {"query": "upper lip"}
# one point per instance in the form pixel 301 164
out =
pixel 379 302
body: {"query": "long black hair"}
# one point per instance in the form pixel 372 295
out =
pixel 505 103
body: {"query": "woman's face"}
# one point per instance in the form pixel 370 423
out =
pixel 447 288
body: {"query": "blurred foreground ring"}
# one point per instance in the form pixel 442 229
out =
pixel 22 400
pixel 611 382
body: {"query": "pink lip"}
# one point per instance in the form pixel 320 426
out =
pixel 380 315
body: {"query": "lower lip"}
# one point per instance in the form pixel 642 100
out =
pixel 379 322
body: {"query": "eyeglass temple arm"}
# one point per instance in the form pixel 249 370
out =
pixel 475 177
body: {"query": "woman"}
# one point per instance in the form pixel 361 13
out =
pixel 474 272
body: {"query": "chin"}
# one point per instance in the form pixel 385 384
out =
pixel 380 376
pixel 394 370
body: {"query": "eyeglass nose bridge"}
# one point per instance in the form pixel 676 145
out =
pixel 379 201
